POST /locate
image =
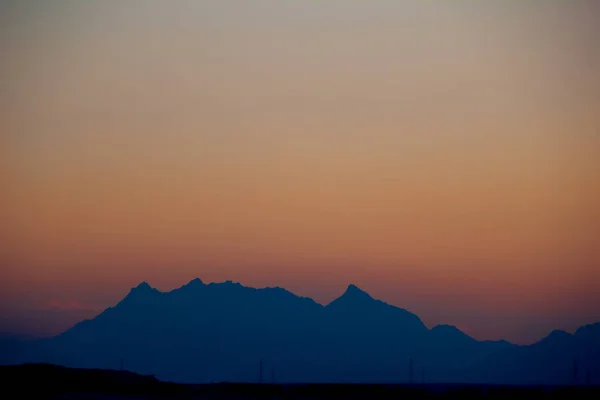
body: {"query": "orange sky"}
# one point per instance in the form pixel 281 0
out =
pixel 445 157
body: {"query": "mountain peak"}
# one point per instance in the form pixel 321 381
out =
pixel 192 286
pixel 557 333
pixel 354 291
pixel 445 328
pixel 142 292
pixel 589 330
pixel 352 296
pixel 556 336
pixel 143 286
pixel 196 282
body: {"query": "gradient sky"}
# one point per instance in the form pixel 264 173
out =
pixel 443 156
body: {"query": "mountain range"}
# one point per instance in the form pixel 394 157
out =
pixel 227 332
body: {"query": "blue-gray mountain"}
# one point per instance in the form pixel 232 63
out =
pixel 221 332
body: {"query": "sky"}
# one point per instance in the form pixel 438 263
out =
pixel 442 156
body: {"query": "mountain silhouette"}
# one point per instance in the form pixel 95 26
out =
pixel 221 332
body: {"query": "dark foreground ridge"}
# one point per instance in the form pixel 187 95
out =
pixel 46 381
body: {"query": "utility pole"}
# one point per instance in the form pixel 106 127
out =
pixel 410 370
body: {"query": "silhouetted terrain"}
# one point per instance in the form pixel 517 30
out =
pixel 42 381
pixel 230 333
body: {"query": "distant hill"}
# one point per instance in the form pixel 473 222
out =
pixel 221 331
pixel 560 358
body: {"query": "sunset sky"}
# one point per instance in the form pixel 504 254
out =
pixel 443 156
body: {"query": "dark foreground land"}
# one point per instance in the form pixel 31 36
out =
pixel 43 381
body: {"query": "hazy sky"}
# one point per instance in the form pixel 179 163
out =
pixel 444 156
